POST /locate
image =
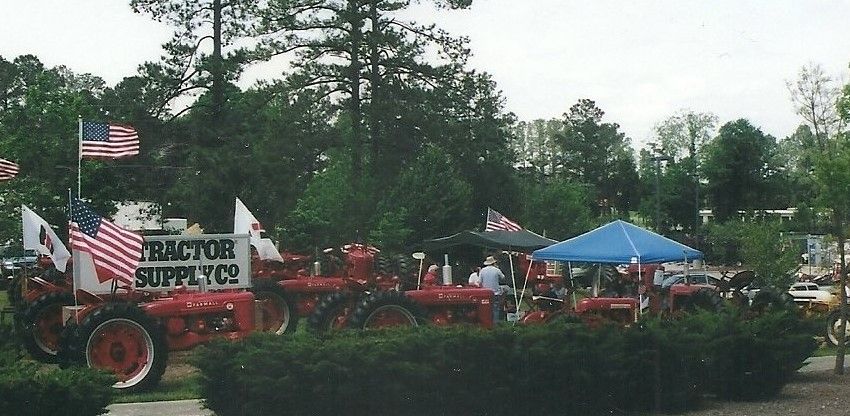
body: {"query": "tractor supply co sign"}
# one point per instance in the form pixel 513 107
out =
pixel 171 261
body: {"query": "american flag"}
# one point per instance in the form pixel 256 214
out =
pixel 498 222
pixel 8 170
pixel 116 252
pixel 108 140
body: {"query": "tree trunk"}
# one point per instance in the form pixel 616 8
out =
pixel 354 105
pixel 842 305
pixel 375 75
pixel 217 67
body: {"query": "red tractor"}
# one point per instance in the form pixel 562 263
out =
pixel 132 340
pixel 619 301
pixel 437 305
pixel 327 300
pixel 38 314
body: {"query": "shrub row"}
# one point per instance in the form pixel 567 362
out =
pixel 562 368
pixel 29 388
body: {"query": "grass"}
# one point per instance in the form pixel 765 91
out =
pixel 182 388
pixel 824 350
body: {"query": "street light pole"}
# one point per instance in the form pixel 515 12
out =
pixel 658 157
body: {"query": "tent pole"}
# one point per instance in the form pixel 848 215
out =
pixel 524 285
pixel 513 278
pixel 640 295
pixel 572 283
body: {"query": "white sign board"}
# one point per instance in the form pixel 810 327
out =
pixel 171 261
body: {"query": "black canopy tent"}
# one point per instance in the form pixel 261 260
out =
pixel 461 243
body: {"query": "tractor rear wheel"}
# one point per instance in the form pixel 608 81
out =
pixel 407 269
pixel 770 298
pixel 833 327
pixel 386 309
pixel 332 313
pixel 279 312
pixel 384 265
pixel 704 299
pixel 120 338
pixel 41 325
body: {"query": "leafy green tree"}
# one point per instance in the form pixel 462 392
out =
pixel 832 175
pixel 682 136
pixel 535 147
pixel 557 208
pixel 824 105
pixel 38 130
pixel 598 154
pixel 739 168
pixel 430 200
pixel 771 256
pixel 188 65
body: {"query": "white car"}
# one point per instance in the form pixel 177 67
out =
pixel 806 294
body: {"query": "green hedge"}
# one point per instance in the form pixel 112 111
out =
pixel 29 388
pixel 562 368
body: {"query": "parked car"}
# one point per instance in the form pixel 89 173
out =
pixel 810 295
pixel 695 278
pixel 13 260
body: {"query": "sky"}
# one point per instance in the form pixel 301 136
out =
pixel 640 60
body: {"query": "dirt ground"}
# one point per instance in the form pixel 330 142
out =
pixel 820 393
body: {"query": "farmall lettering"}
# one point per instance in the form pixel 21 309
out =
pixel 169 262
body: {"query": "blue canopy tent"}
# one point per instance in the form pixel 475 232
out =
pixel 618 242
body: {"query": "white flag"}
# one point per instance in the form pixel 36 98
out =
pixel 244 222
pixel 40 237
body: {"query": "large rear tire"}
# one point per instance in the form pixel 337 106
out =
pixel 407 268
pixel 704 299
pixel 332 313
pixel 770 298
pixel 833 327
pixel 279 312
pixel 40 325
pixel 386 309
pixel 119 338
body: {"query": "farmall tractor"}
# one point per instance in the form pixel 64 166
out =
pixel 131 336
pixel 132 340
pixel 619 300
pixel 425 303
pixel 328 301
pixel 38 308
pixel 436 305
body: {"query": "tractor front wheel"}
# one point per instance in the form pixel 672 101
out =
pixel 278 309
pixel 41 324
pixel 833 327
pixel 386 309
pixel 122 339
pixel 332 313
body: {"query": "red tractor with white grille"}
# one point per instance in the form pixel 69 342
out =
pixel 132 340
pixel 326 300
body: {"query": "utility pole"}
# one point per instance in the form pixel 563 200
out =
pixel 658 156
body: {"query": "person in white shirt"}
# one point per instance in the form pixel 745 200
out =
pixel 490 277
pixel 474 278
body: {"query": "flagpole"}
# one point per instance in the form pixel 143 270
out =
pixel 79 154
pixel 75 258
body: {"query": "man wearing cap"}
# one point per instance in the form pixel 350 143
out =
pixel 490 277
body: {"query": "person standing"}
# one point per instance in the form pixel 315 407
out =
pixel 490 277
pixel 474 278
